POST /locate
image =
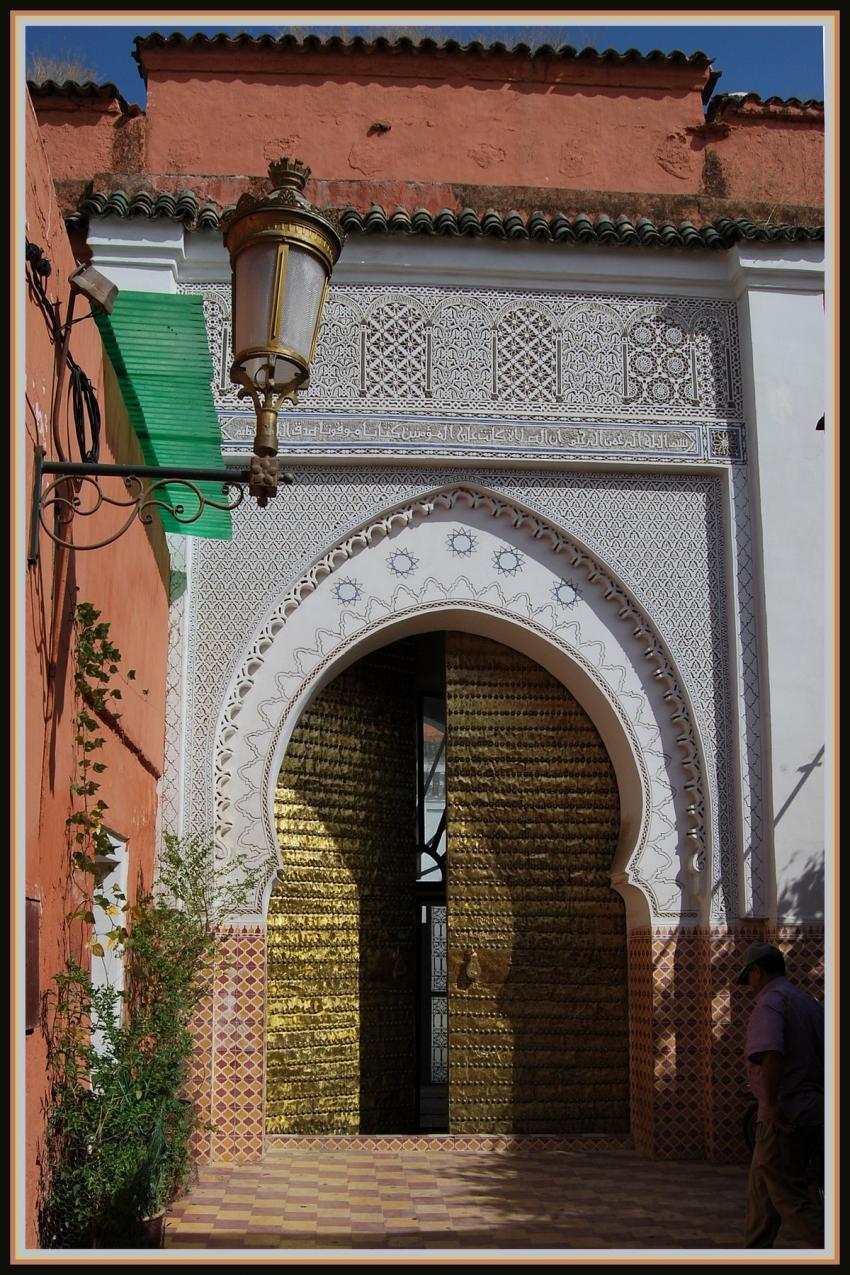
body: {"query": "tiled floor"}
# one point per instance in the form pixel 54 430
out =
pixel 461 1199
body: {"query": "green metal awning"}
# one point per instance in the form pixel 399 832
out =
pixel 157 344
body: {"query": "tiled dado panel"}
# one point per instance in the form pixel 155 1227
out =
pixel 199 1085
pixel 668 1027
pixel 680 1067
pixel 687 1024
pixel 231 1060
pixel 687 1020
pixel 641 1039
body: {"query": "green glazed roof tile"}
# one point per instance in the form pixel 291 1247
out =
pixel 157 344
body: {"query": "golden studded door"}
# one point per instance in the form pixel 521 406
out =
pixel 538 1031
pixel 341 1022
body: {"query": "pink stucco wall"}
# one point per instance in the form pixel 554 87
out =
pixel 422 130
pixel 511 121
pixel 82 136
pixel 763 157
pixel 127 582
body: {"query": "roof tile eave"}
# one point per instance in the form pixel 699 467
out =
pixel 426 46
pixel 557 227
pixel 735 104
pixel 107 91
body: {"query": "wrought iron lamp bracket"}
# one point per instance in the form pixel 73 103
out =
pixel 143 484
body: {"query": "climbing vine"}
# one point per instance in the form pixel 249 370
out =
pixel 96 664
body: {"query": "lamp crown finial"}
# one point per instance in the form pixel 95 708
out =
pixel 289 172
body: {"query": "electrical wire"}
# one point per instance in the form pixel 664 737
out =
pixel 85 402
pixel 85 407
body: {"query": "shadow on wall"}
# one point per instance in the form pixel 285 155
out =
pixel 805 772
pixel 801 901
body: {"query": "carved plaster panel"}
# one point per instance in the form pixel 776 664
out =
pixel 177 687
pixel 467 550
pixel 479 364
pixel 315 435
pixel 663 534
pixel 754 876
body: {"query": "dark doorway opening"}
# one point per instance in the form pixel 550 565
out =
pixel 432 1110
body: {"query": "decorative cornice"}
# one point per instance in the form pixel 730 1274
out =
pixel 538 227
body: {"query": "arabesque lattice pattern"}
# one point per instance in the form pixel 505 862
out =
pixel 661 359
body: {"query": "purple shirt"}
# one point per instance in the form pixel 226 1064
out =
pixel 788 1021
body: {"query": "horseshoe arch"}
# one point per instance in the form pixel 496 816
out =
pixel 462 557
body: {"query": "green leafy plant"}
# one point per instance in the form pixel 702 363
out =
pixel 119 1124
pixel 117 1144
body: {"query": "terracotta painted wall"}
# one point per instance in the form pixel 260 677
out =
pixel 128 583
pixel 89 135
pixel 444 132
pixel 765 158
pixel 506 122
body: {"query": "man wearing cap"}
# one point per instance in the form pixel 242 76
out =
pixel 784 1052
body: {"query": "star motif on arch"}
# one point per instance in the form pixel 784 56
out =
pixel 402 563
pixel 507 561
pixel 565 594
pixel 462 543
pixel 347 591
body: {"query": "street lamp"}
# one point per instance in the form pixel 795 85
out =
pixel 282 251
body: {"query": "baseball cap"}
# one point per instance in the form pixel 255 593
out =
pixel 756 952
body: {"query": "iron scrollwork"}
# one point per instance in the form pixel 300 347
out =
pixel 141 501
pixel 144 486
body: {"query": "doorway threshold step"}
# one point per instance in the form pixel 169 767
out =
pixel 450 1142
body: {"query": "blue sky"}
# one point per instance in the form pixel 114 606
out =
pixel 768 57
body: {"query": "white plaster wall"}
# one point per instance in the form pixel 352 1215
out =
pixel 140 255
pixel 784 382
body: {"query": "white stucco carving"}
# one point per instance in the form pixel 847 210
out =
pixel 465 558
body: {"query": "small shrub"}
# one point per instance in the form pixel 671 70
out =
pixel 117 1144
pixel 116 1147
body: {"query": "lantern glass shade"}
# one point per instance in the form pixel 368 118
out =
pixel 278 291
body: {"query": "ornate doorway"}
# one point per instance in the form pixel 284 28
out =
pixel 445 949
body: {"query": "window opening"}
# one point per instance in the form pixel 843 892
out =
pixel 107 971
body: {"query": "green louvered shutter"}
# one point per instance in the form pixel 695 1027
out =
pixel 157 344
